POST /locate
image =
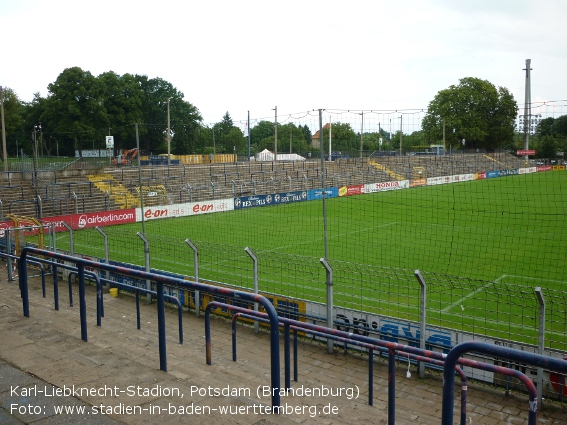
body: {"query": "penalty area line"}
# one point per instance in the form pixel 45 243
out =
pixel 482 288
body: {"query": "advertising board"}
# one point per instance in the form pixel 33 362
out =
pixel 289 197
pixel 384 186
pixel 330 192
pixel 253 201
pixel 87 220
pixel 185 209
pixel 357 189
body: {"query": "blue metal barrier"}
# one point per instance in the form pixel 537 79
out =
pixel 137 290
pixel 160 281
pixel 498 351
pixel 35 263
pixel 370 348
pixel 391 349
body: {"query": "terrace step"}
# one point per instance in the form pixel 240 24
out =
pixel 119 194
pixel 48 345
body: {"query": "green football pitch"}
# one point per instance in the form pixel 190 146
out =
pixel 507 230
pixel 513 226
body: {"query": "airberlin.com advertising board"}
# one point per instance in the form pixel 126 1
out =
pixel 84 221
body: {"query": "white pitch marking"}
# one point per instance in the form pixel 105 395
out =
pixel 460 302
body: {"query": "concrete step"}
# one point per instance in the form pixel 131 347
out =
pixel 117 355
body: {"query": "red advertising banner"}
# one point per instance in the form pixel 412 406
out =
pixel 526 152
pixel 544 168
pixel 84 221
pixel 357 189
pixel 479 176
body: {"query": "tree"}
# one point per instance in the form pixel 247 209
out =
pixel 560 126
pixel 184 117
pixel 14 112
pixel 75 106
pixel 185 126
pixel 343 137
pixel 298 143
pixel 547 147
pixel 123 100
pixel 262 136
pixel 478 112
pixel 306 134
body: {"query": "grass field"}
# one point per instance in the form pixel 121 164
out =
pixel 508 230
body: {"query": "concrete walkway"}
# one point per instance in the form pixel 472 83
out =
pixel 46 368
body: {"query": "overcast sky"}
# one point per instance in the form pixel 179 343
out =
pixel 237 56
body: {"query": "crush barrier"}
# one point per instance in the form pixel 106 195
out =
pixel 370 348
pixel 160 280
pixel 494 350
pixel 382 346
pixel 129 288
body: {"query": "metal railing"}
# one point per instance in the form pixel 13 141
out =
pixel 160 280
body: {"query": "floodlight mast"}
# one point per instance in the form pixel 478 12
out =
pixel 168 135
pixel 276 134
pixel 527 107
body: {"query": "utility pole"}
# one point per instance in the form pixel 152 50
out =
pixel 276 135
pixel 379 138
pixel 401 135
pixel 36 128
pixel 248 130
pixel 4 153
pixel 361 131
pixel 443 135
pixel 390 151
pixel 330 137
pixel 168 135
pixel 527 107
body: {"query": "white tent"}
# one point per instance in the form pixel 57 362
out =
pixel 266 155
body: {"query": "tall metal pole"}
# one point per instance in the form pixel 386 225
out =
pixel 168 135
pixel 4 153
pixel 401 135
pixel 140 181
pixel 390 136
pixel 323 184
pixel 324 261
pixel 35 129
pixel 443 135
pixel 248 127
pixel 527 106
pixel 330 136
pixel 276 135
pixel 361 131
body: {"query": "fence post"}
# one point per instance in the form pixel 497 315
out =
pixel 196 267
pixel 76 203
pixel 51 231
pixel 39 207
pixel 106 256
pixel 329 283
pixel 71 242
pixel 422 319
pixel 9 262
pixel 255 261
pixel 541 340
pixel 147 262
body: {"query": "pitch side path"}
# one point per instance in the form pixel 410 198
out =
pixel 46 368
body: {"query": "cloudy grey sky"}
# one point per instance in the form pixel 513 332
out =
pixel 245 55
